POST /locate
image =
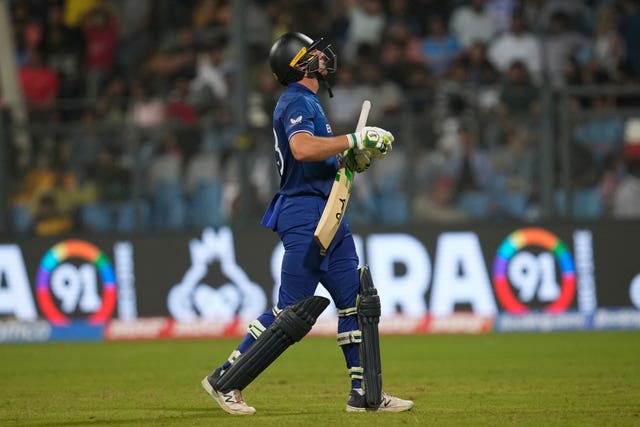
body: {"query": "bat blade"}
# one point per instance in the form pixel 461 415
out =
pixel 339 196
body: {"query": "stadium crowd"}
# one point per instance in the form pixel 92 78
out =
pixel 130 124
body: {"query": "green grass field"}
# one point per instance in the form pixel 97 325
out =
pixel 558 379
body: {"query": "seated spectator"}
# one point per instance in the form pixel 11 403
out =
pixel 146 110
pixel 608 45
pixel 439 205
pixel 385 95
pixel 472 174
pixel 210 83
pixel 601 135
pixel 438 49
pixel 365 28
pixel 519 96
pixel 517 45
pixel 480 72
pixel 344 114
pixel 514 183
pixel 112 186
pixel 559 46
pixel 166 187
pixel 53 208
pixel 40 85
pixel 473 23
pixel 626 199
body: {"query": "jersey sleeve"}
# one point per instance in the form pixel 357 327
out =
pixel 298 117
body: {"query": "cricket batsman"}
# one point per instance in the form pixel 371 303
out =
pixel 307 156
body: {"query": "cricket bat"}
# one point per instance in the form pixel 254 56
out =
pixel 339 196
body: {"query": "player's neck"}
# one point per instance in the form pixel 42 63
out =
pixel 310 83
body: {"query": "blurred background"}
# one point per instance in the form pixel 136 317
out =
pixel 145 116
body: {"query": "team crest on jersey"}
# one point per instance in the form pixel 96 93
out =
pixel 296 121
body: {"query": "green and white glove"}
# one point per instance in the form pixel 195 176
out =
pixel 357 160
pixel 375 140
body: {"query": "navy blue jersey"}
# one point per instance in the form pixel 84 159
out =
pixel 299 110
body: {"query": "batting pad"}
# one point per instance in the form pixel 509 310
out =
pixel 368 317
pixel 289 327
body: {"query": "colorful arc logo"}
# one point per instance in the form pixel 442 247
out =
pixel 515 242
pixel 86 251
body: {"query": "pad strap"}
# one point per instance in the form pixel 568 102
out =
pixel 233 356
pixel 351 311
pixel 356 373
pixel 349 337
pixel 256 328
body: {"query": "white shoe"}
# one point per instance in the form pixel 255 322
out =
pixel 232 401
pixel 358 403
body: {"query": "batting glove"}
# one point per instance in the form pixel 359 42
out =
pixel 358 160
pixel 375 140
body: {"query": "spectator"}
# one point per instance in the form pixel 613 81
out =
pixel 75 10
pixel 64 47
pixel 211 84
pixel 394 53
pixel 175 56
pixel 514 164
pixel 626 199
pixel 518 95
pixel 53 207
pixel 472 173
pixel 454 100
pixel 517 44
pixel 211 18
pixel 365 28
pixel 111 108
pixel 403 13
pixel 343 111
pixel 503 11
pixel 179 109
pixel 579 14
pixel 165 185
pixel 608 45
pixel 472 23
pixel 262 99
pixel 40 85
pixel 112 184
pixel 480 72
pixel 559 46
pixel 386 96
pixel 602 134
pixel 438 49
pixel 85 145
pixel 134 35
pixel 438 206
pixel 100 27
pixel 146 110
pixel 629 28
pixel 203 185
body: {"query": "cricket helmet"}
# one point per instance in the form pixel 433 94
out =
pixel 295 54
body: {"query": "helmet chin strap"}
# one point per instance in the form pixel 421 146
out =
pixel 323 80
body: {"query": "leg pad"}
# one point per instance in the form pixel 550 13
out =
pixel 368 318
pixel 289 327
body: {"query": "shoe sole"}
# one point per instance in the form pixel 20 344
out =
pixel 219 400
pixel 379 409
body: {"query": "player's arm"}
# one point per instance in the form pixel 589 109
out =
pixel 310 148
pixel 307 147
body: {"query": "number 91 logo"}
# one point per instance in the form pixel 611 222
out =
pixel 75 287
pixel 533 276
